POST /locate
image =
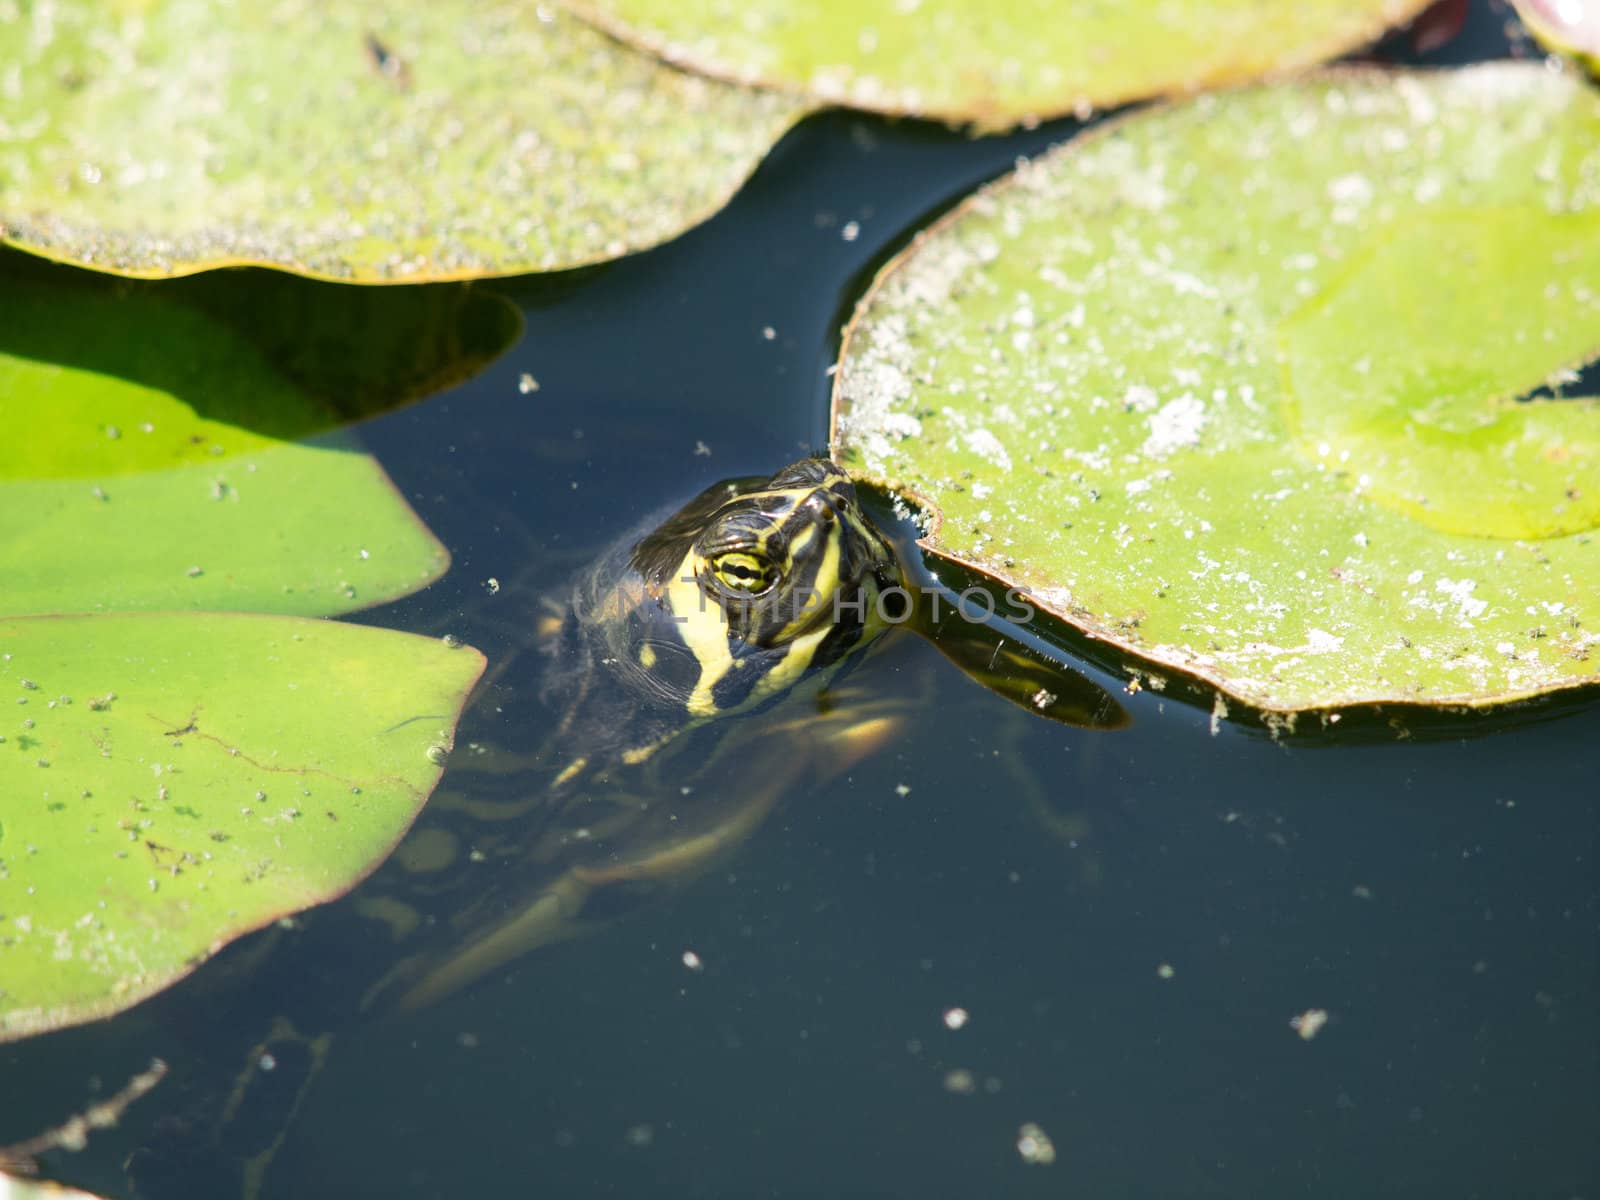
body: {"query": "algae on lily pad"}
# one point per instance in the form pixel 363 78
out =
pixel 361 141
pixel 1258 387
pixel 175 780
pixel 993 63
pixel 157 459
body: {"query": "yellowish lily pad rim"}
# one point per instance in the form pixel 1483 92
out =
pixel 993 64
pixel 360 142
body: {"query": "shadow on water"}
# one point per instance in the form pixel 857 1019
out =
pixel 356 352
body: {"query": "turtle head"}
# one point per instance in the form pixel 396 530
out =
pixel 792 555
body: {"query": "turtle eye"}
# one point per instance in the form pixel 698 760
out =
pixel 744 572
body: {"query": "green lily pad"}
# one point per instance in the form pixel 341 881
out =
pixel 175 780
pixel 361 141
pixel 993 63
pixel 1241 386
pixel 156 459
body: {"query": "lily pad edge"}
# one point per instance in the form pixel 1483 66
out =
pixel 683 58
pixel 15 238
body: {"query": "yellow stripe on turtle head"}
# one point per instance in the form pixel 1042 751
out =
pixel 704 630
pixel 816 604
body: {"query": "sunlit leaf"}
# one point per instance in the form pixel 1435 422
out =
pixel 171 781
pixel 1249 387
pixel 157 459
pixel 362 140
pixel 993 63
pixel 1565 26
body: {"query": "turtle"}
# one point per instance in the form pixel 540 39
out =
pixel 690 677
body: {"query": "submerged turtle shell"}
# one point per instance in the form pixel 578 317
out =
pixel 674 703
pixel 648 673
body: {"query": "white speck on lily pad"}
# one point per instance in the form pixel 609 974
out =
pixel 987 447
pixel 1176 426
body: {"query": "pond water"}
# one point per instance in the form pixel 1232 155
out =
pixel 1129 920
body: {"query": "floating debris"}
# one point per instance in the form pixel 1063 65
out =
pixel 1035 1146
pixel 960 1082
pixel 1309 1023
pixel 74 1134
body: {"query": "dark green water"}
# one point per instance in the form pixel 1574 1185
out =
pixel 1439 898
